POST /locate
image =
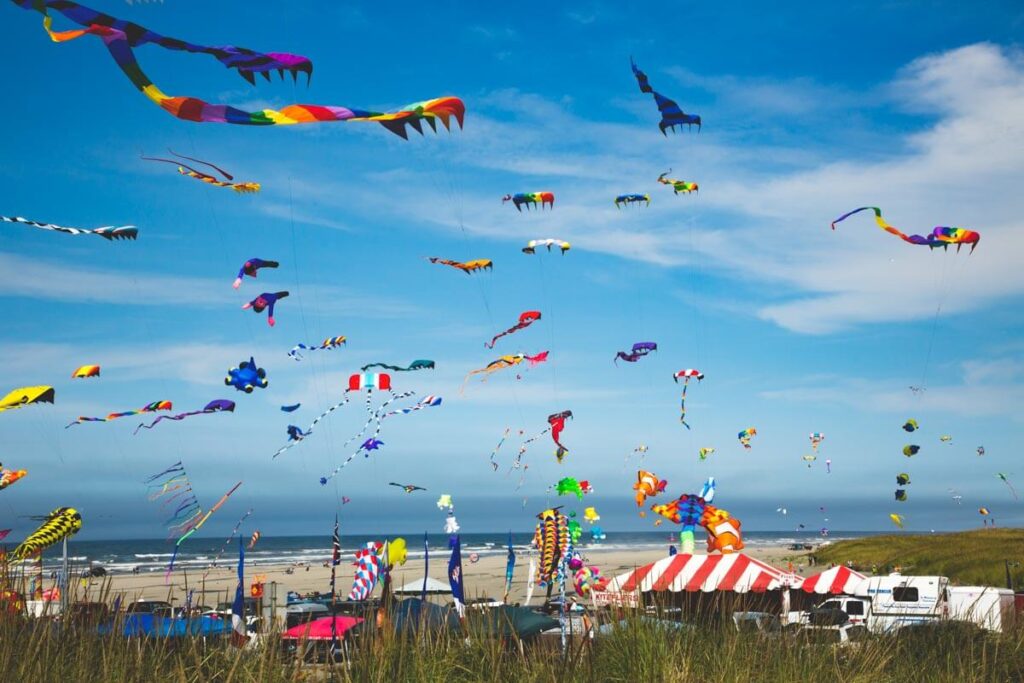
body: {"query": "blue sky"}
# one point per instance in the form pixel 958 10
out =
pixel 808 111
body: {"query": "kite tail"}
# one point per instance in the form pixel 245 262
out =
pixel 378 415
pixel 314 423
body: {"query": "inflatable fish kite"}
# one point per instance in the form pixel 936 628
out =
pixel 910 450
pixel 941 236
pixel 910 425
pixel 647 486
pixel 746 435
pixel 8 477
pixel 530 199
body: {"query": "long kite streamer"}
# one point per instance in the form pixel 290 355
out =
pixel 121 37
pixel 185 169
pixel 941 236
pixel 198 525
pixel 149 408
pixel 326 344
pixel 526 318
pixel 505 362
pixel 108 232
pixel 411 367
pixel 219 405
pixel 686 375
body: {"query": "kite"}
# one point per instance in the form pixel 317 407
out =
pixel 254 539
pixel 505 362
pixel 911 450
pixel 409 488
pixel 175 485
pixel 705 452
pixel 530 199
pixel 828 465
pixel 185 169
pixel 809 459
pixel 647 486
pixel 219 405
pixel 56 526
pixel 980 450
pixel 504 436
pixel 551 538
pixel 941 236
pixel 585 485
pixel 107 232
pixel 746 435
pixel 983 511
pixel 227 542
pixel 246 376
pixel 901 495
pixel 632 199
pixel 451 525
pixel 678 185
pixel 196 522
pixel 411 367
pixel 86 371
pixel 782 510
pixel 816 439
pixel 671 114
pixel 590 514
pixel 467 267
pixel 569 485
pixel 910 425
pixel 266 300
pixel 250 267
pixel 955 495
pixel 328 344
pixel 896 519
pixel 557 422
pixel 639 350
pixel 19 398
pixel 295 433
pixel 121 37
pixel 1006 481
pixel 425 402
pixel 946 438
pixel 916 390
pixel 686 375
pixel 371 444
pixel 148 408
pixel 367 566
pixel 526 318
pixel 4 533
pixel 598 534
pixel 345 500
pixel 531 246
pixel 8 477
pixel 902 479
pixel 291 408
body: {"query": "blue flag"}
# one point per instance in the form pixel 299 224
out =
pixel 239 636
pixel 455 575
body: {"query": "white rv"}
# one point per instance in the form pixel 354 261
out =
pixel 898 600
pixel 990 608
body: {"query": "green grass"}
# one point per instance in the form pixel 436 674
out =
pixel 968 557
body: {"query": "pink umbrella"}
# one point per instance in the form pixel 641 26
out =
pixel 320 629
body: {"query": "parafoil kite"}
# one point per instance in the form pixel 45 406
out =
pixel 8 477
pixel 816 439
pixel 23 396
pixel 1006 481
pixel 411 367
pixel 941 236
pixel 266 300
pixel 246 376
pixel 686 374
pixel 107 232
pixel 551 538
pixel 902 479
pixel 590 514
pixel 647 486
pixel 250 268
pixel 186 170
pixel 911 450
pixel 408 488
pixel 626 199
pixel 531 246
pixel 326 345
pixel 56 526
pixel 639 350
pixel 466 267
pixel 910 425
pixel 530 199
pixel 121 37
pixel 567 486
pixel 526 318
pixel 219 405
pixel 86 371
pixel 505 362
pixel 901 495
pixel 896 519
pixel 671 114
pixel 678 186
pixel 746 435
pixel 148 408
pixel 705 452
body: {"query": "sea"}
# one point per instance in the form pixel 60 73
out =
pixel 154 555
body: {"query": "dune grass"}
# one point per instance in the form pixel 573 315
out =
pixel 967 558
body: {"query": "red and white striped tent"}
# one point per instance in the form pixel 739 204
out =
pixel 835 581
pixel 736 572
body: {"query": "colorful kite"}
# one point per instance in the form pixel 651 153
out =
pixel 291 409
pixel 466 267
pixel 911 450
pixel 505 362
pixel 429 401
pixel 809 459
pixel 408 488
pixel 266 300
pixel 816 439
pixel 8 477
pixel 368 565
pixel 295 433
pixel 946 438
pixel 86 371
pixel 639 350
pixel 557 422
pixel 246 376
pixel 647 486
pixel 567 486
pixel 941 236
pixel 671 114
pixel 746 435
pixel 531 246
pixel 678 185
pixel 371 444
pixel 705 452
pixel 250 268
pixel 551 538
pixel 121 37
pixel 896 519
pixel 411 367
pixel 504 436
pixel 828 465
pixel 445 501
pixel 254 539
pixel 184 169
pixel 219 405
pixel 626 199
pixel 108 232
pixel 901 496
pixel 1006 481
pixel 526 318
pixel 902 479
pixel 196 523
pixel 148 408
pixel 910 425
pixel 23 396
pixel 530 199
pixel 326 344
pixel 590 514
pixel 686 375
pixel 56 526
pixel 984 512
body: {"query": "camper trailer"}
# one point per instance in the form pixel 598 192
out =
pixel 898 600
pixel 990 608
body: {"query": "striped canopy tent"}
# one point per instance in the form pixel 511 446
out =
pixel 735 572
pixel 838 580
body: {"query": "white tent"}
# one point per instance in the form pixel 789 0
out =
pixel 434 587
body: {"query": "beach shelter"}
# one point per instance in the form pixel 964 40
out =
pixel 320 629
pixel 736 573
pixel 509 620
pixel 413 613
pixel 838 580
pixel 433 587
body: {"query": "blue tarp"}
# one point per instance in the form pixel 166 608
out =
pixel 166 627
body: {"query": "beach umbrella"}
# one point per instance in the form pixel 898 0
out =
pixel 320 629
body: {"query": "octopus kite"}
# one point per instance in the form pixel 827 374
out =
pixel 627 199
pixel 677 185
pixel 941 236
pixel 686 375
pixel 247 376
pixel 526 319
pixel 506 362
pixel 148 408
pixel 467 267
pixel 122 37
pixel 250 268
pixel 86 371
pixel 109 232
pixel 530 199
pixel 184 169
pixel 219 405
pixel 266 300
pixel 671 114
pixel 56 526
pixel 326 344
pixel 531 246
pixel 411 367
pixel 639 350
